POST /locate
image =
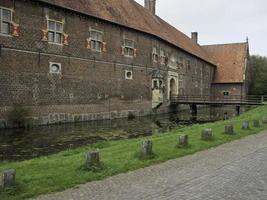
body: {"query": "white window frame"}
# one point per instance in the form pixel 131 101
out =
pixel 2 20
pixel 127 48
pixel 155 55
pixel 96 40
pixel 55 32
pixel 50 68
pixel 126 72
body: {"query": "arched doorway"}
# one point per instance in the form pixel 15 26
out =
pixel 173 87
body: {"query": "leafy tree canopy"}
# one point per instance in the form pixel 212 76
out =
pixel 258 66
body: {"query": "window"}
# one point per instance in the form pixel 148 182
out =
pixel 162 57
pixel 54 68
pixel 96 40
pixel 155 84
pixel 188 65
pixel 5 21
pixel 160 84
pixel 181 81
pixel 129 48
pixel 55 31
pixel 155 56
pixel 226 93
pixel 195 67
pixel 180 62
pixel 128 75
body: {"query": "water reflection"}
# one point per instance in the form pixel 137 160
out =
pixel 26 144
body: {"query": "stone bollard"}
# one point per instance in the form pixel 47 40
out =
pixel 147 148
pixel 245 125
pixel 7 178
pixel 264 120
pixel 229 129
pixel 207 134
pixel 256 123
pixel 92 159
pixel 183 141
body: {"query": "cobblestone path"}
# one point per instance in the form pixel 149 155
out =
pixel 234 171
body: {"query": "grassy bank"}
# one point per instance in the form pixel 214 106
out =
pixel 64 170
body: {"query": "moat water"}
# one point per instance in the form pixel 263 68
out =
pixel 20 144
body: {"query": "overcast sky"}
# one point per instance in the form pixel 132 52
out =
pixel 219 21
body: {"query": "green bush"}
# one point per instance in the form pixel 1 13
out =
pixel 17 117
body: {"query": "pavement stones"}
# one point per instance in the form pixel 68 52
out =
pixel 232 171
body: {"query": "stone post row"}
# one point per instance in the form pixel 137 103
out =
pixel 7 178
pixel 256 123
pixel 183 141
pixel 207 134
pixel 92 159
pixel 147 148
pixel 245 125
pixel 229 129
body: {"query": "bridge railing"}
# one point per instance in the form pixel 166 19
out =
pixel 209 99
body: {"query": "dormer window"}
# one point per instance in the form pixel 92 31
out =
pixel 155 55
pixel 55 31
pixel 5 21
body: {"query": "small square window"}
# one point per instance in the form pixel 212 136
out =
pixel 226 93
pixel 128 75
pixel 54 68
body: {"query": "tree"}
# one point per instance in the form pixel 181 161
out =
pixel 258 70
pixel 18 116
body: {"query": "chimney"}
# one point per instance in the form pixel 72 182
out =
pixel 151 6
pixel 194 37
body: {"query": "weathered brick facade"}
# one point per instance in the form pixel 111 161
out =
pixel 92 85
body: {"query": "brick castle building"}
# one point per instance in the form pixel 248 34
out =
pixel 104 59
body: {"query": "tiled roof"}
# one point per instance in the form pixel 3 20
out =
pixel 230 60
pixel 131 14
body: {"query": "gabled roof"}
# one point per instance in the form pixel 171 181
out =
pixel 230 60
pixel 131 14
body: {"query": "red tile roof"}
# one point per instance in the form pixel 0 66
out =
pixel 131 14
pixel 230 60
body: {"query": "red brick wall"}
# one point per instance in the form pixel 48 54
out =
pixel 90 82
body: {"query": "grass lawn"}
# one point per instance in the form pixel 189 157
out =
pixel 64 170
